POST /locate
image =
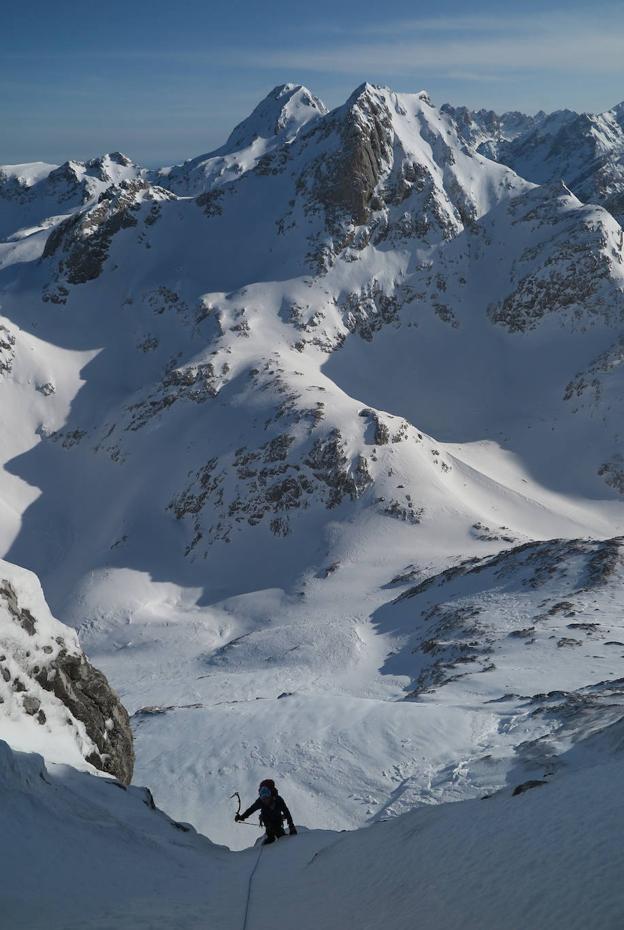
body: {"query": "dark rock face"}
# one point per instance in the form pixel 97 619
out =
pixel 87 237
pixel 83 241
pixel 527 785
pixel 574 283
pixel 87 694
pixel 210 202
pixel 367 145
pixel 380 432
pixel 344 183
pixel 52 663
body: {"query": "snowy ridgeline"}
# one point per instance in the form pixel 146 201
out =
pixel 315 442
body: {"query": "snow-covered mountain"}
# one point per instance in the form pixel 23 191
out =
pixel 39 194
pixel 584 150
pixel 275 121
pixel 316 442
pixel 486 130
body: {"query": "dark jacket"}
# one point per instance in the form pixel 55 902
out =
pixel 272 813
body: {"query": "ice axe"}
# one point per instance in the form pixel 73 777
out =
pixel 244 823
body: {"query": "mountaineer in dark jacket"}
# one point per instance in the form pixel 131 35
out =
pixel 273 812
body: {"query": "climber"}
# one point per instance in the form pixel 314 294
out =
pixel 273 812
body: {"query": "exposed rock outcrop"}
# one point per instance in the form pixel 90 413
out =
pixel 347 182
pixel 461 633
pixel 7 349
pixel 86 692
pixel 83 241
pixel 45 676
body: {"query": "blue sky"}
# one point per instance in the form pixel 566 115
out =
pixel 168 79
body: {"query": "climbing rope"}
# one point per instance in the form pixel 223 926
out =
pixel 253 872
pixel 256 864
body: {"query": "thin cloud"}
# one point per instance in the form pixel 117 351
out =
pixel 553 43
pixel 598 54
pixel 557 41
pixel 555 21
pixel 478 76
pixel 444 24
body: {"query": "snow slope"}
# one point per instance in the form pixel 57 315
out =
pixel 509 861
pixel 86 852
pixel 240 396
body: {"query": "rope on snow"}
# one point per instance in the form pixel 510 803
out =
pixel 253 872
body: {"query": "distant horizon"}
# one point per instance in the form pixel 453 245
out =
pixel 165 87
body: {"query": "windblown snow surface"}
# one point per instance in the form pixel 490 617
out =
pixel 315 441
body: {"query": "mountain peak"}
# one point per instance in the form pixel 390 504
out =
pixel 283 112
pixel 617 113
pixel 277 119
pixel 115 158
pixel 287 89
pixel 366 91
